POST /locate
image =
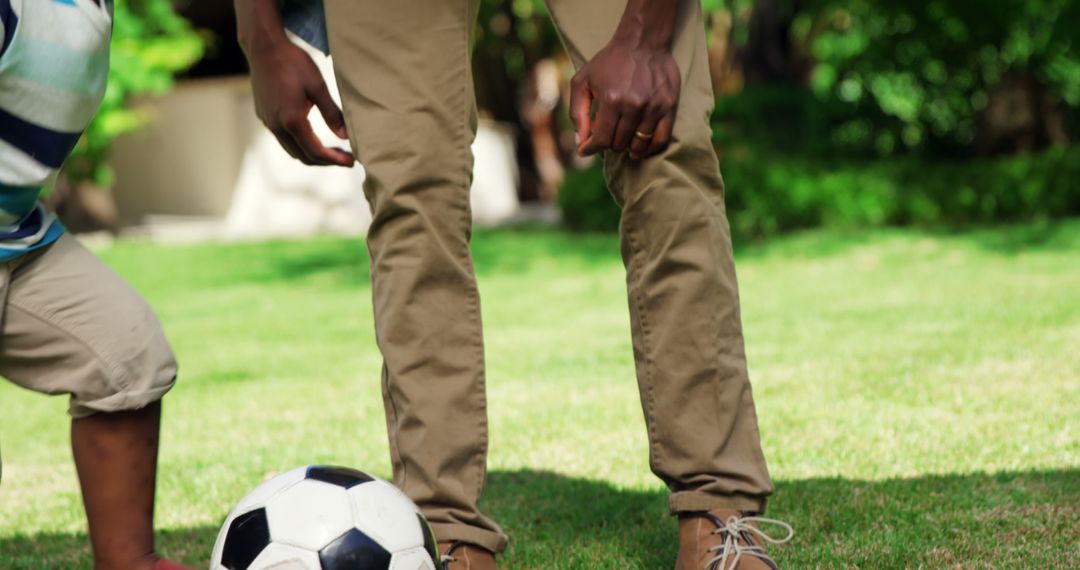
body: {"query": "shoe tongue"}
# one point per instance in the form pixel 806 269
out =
pixel 725 514
pixel 742 537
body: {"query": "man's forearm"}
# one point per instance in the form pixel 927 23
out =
pixel 648 23
pixel 258 24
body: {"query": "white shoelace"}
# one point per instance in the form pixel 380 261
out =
pixel 732 551
pixel 446 559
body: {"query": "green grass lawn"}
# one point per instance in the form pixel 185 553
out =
pixel 919 397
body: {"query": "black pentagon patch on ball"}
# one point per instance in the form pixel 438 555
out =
pixel 430 545
pixel 354 550
pixel 248 535
pixel 340 476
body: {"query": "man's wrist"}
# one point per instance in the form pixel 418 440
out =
pixel 257 42
pixel 647 24
pixel 639 37
pixel 258 26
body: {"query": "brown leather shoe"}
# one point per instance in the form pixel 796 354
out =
pixel 726 539
pixel 465 556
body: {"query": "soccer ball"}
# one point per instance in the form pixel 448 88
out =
pixel 325 518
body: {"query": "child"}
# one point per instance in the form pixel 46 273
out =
pixel 67 323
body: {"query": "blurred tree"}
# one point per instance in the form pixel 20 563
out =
pixel 869 112
pixel 150 45
pixel 512 38
pixel 946 76
pixel 769 55
pixel 216 22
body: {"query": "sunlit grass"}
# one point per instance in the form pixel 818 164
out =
pixel 918 396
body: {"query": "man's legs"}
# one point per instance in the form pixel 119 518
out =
pixel 72 326
pixel 684 307
pixel 403 69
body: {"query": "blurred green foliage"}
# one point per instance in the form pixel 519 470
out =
pixel 517 32
pixel 585 202
pixel 918 75
pixel 150 45
pixel 939 113
pixel 771 195
pixel 802 192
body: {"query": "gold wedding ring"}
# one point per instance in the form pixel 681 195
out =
pixel 643 136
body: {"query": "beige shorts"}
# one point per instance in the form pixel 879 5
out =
pixel 70 325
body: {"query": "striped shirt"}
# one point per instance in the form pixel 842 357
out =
pixel 54 63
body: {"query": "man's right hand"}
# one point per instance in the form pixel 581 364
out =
pixel 287 84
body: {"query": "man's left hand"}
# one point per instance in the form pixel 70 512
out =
pixel 636 91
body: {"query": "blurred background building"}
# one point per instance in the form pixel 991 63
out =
pixel 849 113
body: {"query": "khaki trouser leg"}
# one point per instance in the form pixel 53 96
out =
pixel 403 69
pixel 684 306
pixel 70 325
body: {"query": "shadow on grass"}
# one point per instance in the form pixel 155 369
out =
pixel 1004 239
pixel 501 252
pixel 344 261
pixel 1022 520
pixel 516 251
pixel 1052 236
pixel 522 250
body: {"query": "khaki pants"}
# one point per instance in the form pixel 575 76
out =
pixel 72 326
pixel 403 69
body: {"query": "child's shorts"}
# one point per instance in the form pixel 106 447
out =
pixel 70 325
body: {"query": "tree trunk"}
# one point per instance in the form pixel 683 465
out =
pixel 769 56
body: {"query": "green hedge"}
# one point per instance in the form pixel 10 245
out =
pixel 770 195
pixel 585 202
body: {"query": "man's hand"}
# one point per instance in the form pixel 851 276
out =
pixel 287 84
pixel 634 83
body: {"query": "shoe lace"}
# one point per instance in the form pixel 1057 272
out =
pixel 736 529
pixel 447 557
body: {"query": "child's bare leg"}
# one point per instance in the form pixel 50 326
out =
pixel 71 325
pixel 116 457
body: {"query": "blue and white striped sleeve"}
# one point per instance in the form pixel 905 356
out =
pixel 8 21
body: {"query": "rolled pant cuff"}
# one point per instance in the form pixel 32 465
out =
pixel 487 539
pixel 695 501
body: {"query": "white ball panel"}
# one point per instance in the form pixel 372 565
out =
pixel 310 514
pixel 284 557
pixel 414 559
pixel 385 514
pixel 259 496
pixel 255 499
